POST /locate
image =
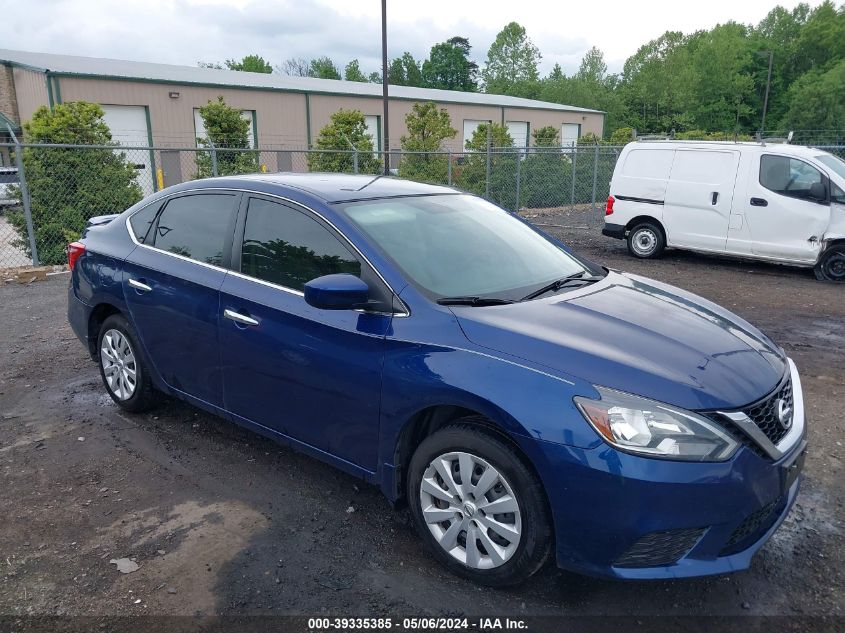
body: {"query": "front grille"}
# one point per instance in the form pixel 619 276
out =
pixel 765 413
pixel 658 549
pixel 750 524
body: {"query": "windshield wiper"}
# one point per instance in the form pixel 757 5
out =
pixel 472 301
pixel 557 284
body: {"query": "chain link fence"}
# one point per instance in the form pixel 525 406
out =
pixel 49 191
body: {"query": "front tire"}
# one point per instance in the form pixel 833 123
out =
pixel 122 369
pixel 479 508
pixel 646 241
pixel 831 266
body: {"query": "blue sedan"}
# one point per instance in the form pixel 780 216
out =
pixel 523 401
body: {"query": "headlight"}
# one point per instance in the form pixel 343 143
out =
pixel 638 425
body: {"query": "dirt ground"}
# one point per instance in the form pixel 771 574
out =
pixel 220 520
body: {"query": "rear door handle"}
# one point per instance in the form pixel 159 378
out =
pixel 139 286
pixel 714 198
pixel 237 317
pixel 759 202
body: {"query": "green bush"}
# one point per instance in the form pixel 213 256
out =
pixel 68 186
pixel 428 127
pixel 228 131
pixel 347 130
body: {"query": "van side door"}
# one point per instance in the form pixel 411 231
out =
pixel 699 197
pixel 787 208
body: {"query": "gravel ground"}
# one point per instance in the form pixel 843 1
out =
pixel 222 521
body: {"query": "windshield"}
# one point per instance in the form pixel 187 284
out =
pixel 460 246
pixel 833 162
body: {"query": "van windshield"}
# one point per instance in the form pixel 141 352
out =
pixel 833 162
pixel 462 246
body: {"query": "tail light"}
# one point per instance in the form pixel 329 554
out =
pixel 608 209
pixel 74 252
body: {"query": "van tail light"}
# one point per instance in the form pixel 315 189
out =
pixel 608 209
pixel 74 252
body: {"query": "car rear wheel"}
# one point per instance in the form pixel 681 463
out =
pixel 831 266
pixel 122 369
pixel 646 241
pixel 478 507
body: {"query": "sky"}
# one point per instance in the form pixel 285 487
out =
pixel 189 31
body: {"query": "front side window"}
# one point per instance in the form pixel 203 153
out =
pixel 196 226
pixel 287 247
pixel 459 245
pixel 790 177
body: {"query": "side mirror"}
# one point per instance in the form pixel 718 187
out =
pixel 818 192
pixel 336 292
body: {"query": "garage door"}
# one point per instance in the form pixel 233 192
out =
pixel 519 133
pixel 470 125
pixel 128 126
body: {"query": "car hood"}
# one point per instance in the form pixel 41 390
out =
pixel 636 335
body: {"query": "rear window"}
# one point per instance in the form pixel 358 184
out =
pixel 648 163
pixel 197 226
pixel 142 220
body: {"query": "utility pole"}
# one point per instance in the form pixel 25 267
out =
pixel 384 86
pixel 766 98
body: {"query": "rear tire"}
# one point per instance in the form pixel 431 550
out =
pixel 646 241
pixel 831 266
pixel 495 528
pixel 122 368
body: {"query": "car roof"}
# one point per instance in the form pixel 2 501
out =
pixel 334 188
pixel 780 148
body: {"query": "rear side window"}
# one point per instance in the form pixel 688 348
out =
pixel 788 176
pixel 196 226
pixel 143 220
pixel 287 247
pixel 649 163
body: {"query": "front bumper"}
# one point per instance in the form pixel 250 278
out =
pixel 623 516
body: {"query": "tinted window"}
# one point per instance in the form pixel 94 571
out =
pixel 836 194
pixel 289 248
pixel 8 178
pixel 788 176
pixel 196 226
pixel 142 220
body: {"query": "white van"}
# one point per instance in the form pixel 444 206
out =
pixel 774 202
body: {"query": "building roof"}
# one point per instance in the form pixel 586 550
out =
pixel 73 65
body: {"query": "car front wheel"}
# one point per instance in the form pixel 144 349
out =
pixel 478 507
pixel 831 266
pixel 122 369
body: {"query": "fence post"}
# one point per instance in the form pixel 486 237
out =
pixel 25 200
pixel 595 178
pixel 488 167
pixel 574 164
pixel 213 158
pixel 449 169
pixel 355 160
pixel 518 179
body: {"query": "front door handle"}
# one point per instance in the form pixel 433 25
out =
pixel 139 286
pixel 714 198
pixel 237 317
pixel 759 202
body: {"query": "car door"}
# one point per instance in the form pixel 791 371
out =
pixel 171 284
pixel 313 375
pixel 786 217
pixel 699 196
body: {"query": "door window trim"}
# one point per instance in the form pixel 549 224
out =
pixel 405 311
pixel 825 178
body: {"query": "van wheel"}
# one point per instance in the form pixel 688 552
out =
pixel 646 241
pixel 478 507
pixel 831 266
pixel 122 369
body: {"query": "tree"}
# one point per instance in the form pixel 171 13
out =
pixel 546 136
pixel 346 131
pixel 68 186
pixel 473 173
pixel 227 130
pixel 622 136
pixel 817 100
pixel 405 71
pixel 511 66
pixel 428 127
pixel 250 64
pixel 375 77
pixel 449 66
pixel 324 68
pixel 352 72
pixel 295 67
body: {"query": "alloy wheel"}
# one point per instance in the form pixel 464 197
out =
pixel 471 510
pixel 119 366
